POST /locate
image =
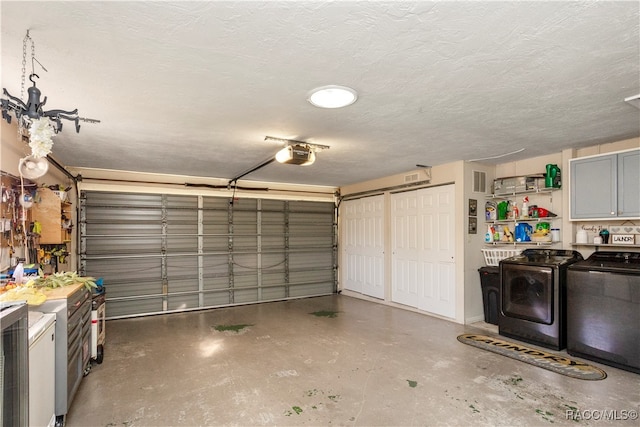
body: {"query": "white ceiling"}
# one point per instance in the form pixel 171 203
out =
pixel 192 88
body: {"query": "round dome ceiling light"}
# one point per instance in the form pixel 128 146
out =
pixel 332 96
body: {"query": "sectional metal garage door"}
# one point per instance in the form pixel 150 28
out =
pixel 161 253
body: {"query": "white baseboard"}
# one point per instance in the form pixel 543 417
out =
pixel 475 319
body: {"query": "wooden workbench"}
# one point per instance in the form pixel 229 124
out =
pixel 61 293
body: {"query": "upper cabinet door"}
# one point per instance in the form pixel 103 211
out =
pixel 629 184
pixel 593 187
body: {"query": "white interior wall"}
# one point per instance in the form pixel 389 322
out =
pixel 473 243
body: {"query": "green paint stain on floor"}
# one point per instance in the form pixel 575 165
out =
pixel 412 384
pixel 325 313
pixel 297 409
pixel 515 380
pixel 233 328
pixel 546 415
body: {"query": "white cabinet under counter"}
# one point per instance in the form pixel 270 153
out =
pixel 42 351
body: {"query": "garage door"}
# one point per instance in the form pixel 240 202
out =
pixel 160 253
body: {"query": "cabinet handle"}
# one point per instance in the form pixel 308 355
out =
pixel 613 213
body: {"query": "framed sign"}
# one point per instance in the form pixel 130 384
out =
pixel 473 225
pixel 622 239
pixel 473 207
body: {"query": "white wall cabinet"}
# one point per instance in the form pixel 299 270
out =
pixel 605 187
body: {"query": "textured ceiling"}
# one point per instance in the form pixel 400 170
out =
pixel 193 88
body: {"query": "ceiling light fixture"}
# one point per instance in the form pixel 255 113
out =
pixel 40 125
pixel 296 152
pixel 332 96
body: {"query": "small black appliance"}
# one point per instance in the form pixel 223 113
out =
pixel 533 296
pixel 603 309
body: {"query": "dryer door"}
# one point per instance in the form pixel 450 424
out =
pixel 528 292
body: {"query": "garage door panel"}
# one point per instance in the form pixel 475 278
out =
pixel 178 244
pixel 216 283
pixel 309 259
pixel 241 296
pixel 128 270
pixel 133 307
pixel 120 245
pixel 182 284
pixel 273 278
pixel 243 262
pixel 183 302
pixel 215 265
pixel 127 229
pixel 216 299
pixel 215 244
pixel 274 293
pixel 310 289
pixel 245 281
pixel 177 252
pixel 306 276
pixel 182 260
pixel 134 288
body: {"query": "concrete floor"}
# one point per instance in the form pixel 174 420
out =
pixel 370 365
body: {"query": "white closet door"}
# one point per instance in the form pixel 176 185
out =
pixel 423 256
pixel 405 254
pixel 363 245
pixel 437 252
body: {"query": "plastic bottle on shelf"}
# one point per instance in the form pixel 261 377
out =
pixel 507 234
pixel 525 207
pixel 488 237
pixel 516 211
pixel 496 233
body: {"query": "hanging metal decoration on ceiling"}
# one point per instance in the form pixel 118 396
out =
pixel 31 114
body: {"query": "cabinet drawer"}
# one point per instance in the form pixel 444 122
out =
pixel 75 300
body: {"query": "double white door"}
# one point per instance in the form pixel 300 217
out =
pixel 423 249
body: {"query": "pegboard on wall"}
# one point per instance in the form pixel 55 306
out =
pixel 14 218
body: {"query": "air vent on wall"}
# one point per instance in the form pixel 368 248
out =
pixel 479 182
pixel 411 178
